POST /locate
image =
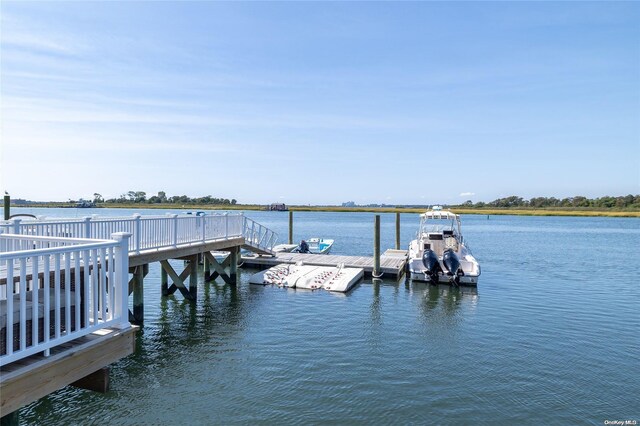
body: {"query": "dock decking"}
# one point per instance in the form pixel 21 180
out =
pixel 392 262
pixel 32 378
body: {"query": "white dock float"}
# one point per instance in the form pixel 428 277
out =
pixel 344 279
pixel 392 262
pixel 309 277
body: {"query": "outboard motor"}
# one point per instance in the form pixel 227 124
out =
pixel 430 262
pixel 451 262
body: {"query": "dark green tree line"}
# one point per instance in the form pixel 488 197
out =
pixel 140 197
pixel 579 201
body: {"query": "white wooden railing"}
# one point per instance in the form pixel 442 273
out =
pixel 258 236
pixel 53 290
pixel 152 232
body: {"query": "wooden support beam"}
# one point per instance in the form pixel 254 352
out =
pixel 136 286
pixel 193 276
pixel 213 275
pixel 178 280
pixel 164 282
pixel 233 265
pixel 218 268
pixel 138 296
pixel 11 419
pixel 290 227
pixel 207 268
pixel 98 381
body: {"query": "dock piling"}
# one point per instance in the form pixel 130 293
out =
pixel 397 231
pixel 11 419
pixel 290 227
pixel 376 247
pixel 193 276
pixel 233 265
pixel 139 273
pixel 7 207
pixel 164 282
pixel 207 267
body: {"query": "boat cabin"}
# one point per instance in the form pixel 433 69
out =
pixel 439 230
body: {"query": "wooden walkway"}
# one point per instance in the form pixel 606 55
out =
pixel 392 262
pixel 29 379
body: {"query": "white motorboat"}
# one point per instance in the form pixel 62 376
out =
pixel 439 253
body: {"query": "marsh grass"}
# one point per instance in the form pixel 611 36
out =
pixel 484 211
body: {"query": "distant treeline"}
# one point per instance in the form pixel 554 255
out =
pixel 140 197
pixel 607 202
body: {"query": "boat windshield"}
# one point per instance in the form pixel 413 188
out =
pixel 438 224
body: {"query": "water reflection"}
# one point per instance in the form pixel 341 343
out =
pixel 181 324
pixel 442 299
pixel 376 309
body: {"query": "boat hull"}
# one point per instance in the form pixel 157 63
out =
pixel 443 278
pixel 468 265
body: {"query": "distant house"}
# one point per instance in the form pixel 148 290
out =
pixel 279 207
pixel 85 204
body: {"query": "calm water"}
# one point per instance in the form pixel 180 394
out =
pixel 551 335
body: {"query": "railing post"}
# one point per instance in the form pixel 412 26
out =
pixel 175 230
pixel 16 226
pixel 87 227
pixel 136 235
pixel 121 287
pixel 203 223
pixel 226 225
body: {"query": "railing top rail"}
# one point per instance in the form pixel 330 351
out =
pixel 113 218
pixel 52 239
pixel 85 245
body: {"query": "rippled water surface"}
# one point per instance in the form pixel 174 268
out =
pixel 551 335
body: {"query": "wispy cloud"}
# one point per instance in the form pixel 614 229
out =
pixel 467 194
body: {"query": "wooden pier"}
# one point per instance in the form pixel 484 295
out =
pixel 65 286
pixel 392 262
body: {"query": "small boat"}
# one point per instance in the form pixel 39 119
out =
pixel 439 253
pixel 320 245
pixel 313 246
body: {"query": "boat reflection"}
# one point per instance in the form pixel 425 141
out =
pixel 443 298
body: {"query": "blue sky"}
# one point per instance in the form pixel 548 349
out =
pixel 320 103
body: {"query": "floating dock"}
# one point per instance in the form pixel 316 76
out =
pixel 392 262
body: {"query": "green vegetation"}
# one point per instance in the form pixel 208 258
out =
pixel 627 202
pixel 140 197
pixel 481 211
pixel 623 206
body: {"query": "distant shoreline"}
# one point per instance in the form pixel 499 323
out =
pixel 478 211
